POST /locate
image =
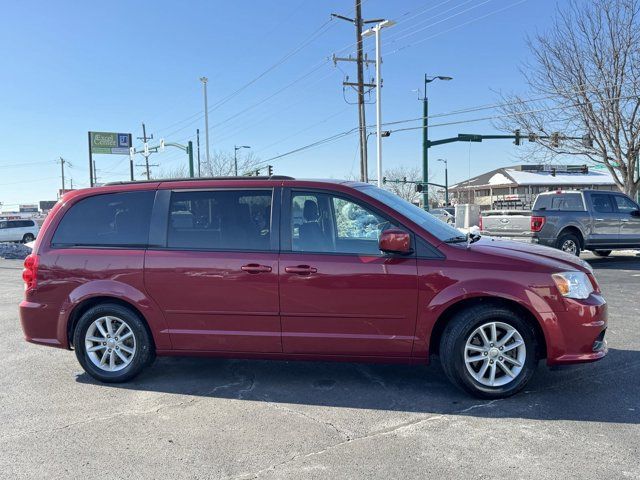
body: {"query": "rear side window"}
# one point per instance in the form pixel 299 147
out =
pixel 602 203
pixel 220 220
pixel 108 220
pixel 624 204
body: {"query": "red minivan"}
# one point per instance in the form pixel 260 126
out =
pixel 280 268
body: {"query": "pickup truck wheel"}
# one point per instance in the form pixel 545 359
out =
pixel 489 351
pixel 602 253
pixel 569 243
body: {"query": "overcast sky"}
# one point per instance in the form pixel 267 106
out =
pixel 70 67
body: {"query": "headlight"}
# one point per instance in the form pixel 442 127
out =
pixel 573 284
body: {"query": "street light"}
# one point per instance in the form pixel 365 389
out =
pixel 375 30
pixel 446 180
pixel 204 81
pixel 425 136
pixel 235 156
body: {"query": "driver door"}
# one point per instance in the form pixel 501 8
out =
pixel 339 295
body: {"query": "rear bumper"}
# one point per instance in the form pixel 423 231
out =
pixel 40 324
pixel 579 332
pixel 515 238
pixel 547 242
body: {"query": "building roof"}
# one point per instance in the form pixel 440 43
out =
pixel 524 175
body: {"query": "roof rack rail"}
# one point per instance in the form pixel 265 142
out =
pixel 195 179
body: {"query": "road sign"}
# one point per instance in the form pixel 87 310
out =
pixel 110 143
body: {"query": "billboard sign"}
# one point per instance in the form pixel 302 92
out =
pixel 110 143
pixel 46 205
pixel 28 208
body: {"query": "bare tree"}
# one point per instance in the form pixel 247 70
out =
pixel 585 80
pixel 221 164
pixel 408 190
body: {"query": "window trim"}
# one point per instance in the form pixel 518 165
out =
pixel 161 236
pixel 286 218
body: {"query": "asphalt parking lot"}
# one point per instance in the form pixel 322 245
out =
pixel 210 418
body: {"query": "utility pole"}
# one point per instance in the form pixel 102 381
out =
pixel 146 153
pixel 198 142
pixel 62 162
pixel 360 85
pixel 204 81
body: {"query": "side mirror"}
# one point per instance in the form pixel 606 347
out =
pixel 396 241
pixel 635 213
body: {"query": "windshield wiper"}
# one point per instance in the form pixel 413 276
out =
pixel 456 239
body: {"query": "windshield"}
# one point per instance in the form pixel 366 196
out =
pixel 431 224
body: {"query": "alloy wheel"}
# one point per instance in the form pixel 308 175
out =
pixel 110 343
pixel 495 354
pixel 570 247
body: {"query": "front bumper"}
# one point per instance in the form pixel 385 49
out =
pixel 578 334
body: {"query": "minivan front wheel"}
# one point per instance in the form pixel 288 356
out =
pixel 489 351
pixel 28 237
pixel 111 343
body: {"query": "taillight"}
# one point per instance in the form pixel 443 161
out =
pixel 480 222
pixel 30 272
pixel 537 223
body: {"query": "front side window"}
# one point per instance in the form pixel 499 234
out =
pixel 625 205
pixel 107 220
pixel 330 224
pixel 441 230
pixel 220 220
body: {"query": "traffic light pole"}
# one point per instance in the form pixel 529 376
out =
pixel 425 146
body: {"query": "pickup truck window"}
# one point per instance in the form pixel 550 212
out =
pixel 624 204
pixel 568 202
pixel 602 203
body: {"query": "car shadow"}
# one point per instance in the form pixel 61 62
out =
pixel 606 391
pixel 626 262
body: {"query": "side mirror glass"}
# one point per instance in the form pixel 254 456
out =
pixel 395 241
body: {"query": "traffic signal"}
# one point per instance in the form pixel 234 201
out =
pixel 553 171
pixel 270 169
pixel 517 135
pixel 555 139
pixel 533 137
pixel 587 141
pixel 384 180
pixel 419 187
pixel 404 179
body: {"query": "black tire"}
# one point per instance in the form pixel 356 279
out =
pixel 144 351
pixel 602 253
pixel 453 346
pixel 28 237
pixel 568 241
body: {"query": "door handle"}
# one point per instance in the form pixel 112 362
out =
pixel 255 268
pixel 301 270
pixel 599 219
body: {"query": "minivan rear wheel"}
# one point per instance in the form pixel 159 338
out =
pixel 112 343
pixel 489 351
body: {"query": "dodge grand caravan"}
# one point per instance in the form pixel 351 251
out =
pixel 290 269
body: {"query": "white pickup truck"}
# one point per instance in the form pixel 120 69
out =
pixel 513 224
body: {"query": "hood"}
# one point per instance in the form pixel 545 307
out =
pixel 531 252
